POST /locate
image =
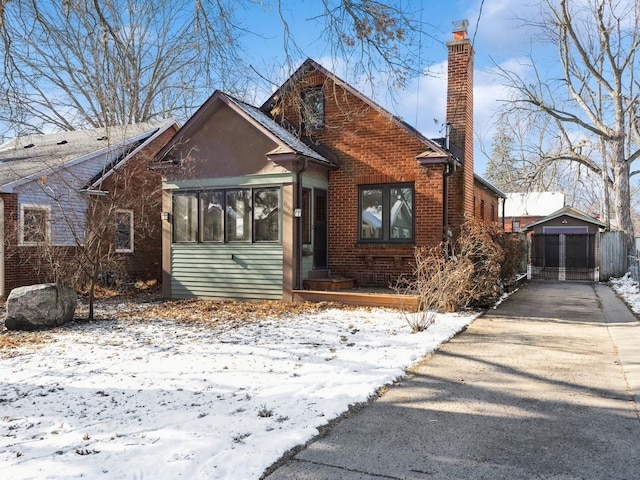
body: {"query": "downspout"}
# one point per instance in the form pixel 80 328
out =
pixel 299 220
pixel 504 204
pixel 449 168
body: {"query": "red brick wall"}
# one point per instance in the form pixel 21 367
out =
pixel 371 148
pixel 490 201
pixel 460 115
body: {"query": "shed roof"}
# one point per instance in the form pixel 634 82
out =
pixel 567 211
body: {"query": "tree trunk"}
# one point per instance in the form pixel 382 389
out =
pixel 621 200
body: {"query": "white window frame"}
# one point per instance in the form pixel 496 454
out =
pixel 32 206
pixel 131 232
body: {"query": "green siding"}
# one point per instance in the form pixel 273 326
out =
pixel 234 271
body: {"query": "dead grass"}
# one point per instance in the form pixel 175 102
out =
pixel 147 305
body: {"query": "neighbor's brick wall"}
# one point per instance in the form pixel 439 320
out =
pixel 140 189
pixel 20 263
pixel 371 149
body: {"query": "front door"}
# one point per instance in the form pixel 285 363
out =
pixel 320 230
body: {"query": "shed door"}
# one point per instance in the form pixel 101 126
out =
pixel 563 256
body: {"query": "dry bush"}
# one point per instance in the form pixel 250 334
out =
pixel 468 272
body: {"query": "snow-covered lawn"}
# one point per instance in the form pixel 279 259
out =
pixel 162 399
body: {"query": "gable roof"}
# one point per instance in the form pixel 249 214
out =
pixel 24 158
pixel 96 181
pixel 567 211
pixel 285 140
pixel 432 149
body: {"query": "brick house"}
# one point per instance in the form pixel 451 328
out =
pixel 48 184
pixel 348 190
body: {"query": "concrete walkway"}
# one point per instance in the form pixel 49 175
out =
pixel 546 386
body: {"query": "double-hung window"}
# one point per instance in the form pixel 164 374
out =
pixel 124 231
pixel 386 213
pixel 227 216
pixel 35 225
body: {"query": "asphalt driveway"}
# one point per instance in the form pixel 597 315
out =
pixel 546 386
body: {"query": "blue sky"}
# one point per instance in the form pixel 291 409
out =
pixel 498 39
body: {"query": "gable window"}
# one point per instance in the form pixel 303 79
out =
pixel 312 109
pixel 386 213
pixel 34 225
pixel 226 216
pixel 124 231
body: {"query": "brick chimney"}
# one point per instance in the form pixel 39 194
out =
pixel 460 120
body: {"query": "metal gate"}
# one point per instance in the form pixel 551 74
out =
pixel 563 256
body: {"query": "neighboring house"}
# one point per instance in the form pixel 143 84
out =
pixel 319 181
pixel 521 209
pixel 47 183
pixel 564 246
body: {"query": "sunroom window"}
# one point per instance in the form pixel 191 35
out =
pixel 227 216
pixel 386 213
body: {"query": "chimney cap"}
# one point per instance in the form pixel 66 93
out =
pixel 460 29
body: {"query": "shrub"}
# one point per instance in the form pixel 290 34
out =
pixel 470 271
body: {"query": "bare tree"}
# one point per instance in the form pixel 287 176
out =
pixel 74 64
pixel 594 104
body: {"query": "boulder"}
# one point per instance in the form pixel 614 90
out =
pixel 40 306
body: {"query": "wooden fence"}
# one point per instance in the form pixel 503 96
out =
pixel 613 255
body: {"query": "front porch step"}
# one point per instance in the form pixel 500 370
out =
pixel 328 284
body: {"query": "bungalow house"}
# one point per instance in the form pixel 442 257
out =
pixel 319 182
pixel 49 181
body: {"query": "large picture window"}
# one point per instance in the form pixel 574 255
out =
pixel 34 227
pixel 386 213
pixel 231 215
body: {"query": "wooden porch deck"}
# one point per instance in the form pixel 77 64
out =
pixel 358 297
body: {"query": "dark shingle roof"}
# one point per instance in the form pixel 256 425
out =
pixel 23 157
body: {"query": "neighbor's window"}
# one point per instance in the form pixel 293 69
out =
pixel 231 215
pixel 312 108
pixel 124 231
pixel 185 217
pixel 35 227
pixel 515 226
pixel 386 213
